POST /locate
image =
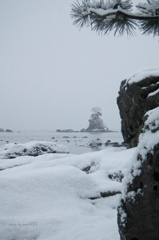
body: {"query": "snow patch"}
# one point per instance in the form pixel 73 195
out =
pixel 142 74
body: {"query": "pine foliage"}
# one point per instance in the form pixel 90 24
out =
pixel 117 16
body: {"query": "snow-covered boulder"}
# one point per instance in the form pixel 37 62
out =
pixel 33 148
pixel 138 214
pixel 138 94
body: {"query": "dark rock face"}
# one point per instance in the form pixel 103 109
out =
pixel 1 130
pixel 138 214
pixel 142 214
pixel 133 102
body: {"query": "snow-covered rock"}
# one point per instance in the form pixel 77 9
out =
pixel 138 214
pixel 138 94
pixel 33 148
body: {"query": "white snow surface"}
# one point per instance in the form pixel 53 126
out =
pixel 142 74
pixel 48 197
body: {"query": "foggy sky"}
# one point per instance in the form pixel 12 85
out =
pixel 52 74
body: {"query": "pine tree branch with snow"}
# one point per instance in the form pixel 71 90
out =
pixel 117 15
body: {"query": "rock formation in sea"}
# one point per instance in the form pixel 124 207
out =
pixel 95 121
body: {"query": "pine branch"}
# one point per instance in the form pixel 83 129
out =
pixel 117 15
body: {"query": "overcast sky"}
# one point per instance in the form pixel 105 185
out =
pixel 52 74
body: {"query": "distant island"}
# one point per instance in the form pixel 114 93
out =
pixel 96 124
pixel 7 130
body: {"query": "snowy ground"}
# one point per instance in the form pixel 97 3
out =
pixel 50 197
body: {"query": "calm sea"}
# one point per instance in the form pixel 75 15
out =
pixel 77 142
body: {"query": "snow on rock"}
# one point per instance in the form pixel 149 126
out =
pixel 150 134
pixel 138 94
pixel 148 138
pixel 139 208
pixel 153 93
pixel 33 148
pixel 50 197
pixel 142 74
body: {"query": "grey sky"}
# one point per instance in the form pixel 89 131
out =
pixel 52 74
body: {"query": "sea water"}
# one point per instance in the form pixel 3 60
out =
pixel 77 142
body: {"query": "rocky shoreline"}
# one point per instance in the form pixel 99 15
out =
pixel 83 130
